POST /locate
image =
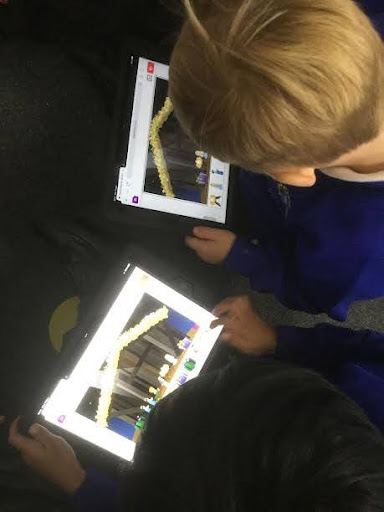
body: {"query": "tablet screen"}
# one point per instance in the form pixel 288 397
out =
pixel 164 170
pixel 151 341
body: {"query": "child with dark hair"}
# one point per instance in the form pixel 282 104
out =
pixel 258 435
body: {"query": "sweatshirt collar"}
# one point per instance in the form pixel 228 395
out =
pixel 347 174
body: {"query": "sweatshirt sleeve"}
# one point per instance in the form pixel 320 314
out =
pixel 319 270
pixel 324 348
pixel 97 494
pixel 263 265
pixel 269 269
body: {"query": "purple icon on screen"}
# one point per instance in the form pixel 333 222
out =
pixel 182 379
pixel 135 200
pixel 61 418
pixel 184 344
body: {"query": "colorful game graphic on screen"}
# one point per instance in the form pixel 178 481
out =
pixel 138 370
pixel 173 154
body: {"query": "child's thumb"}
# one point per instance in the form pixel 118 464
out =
pixel 16 439
pixel 41 434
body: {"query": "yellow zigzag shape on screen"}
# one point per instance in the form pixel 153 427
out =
pixel 157 149
pixel 109 374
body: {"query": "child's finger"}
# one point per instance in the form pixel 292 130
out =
pixel 2 418
pixel 224 306
pixel 17 440
pixel 41 434
pixel 227 337
pixel 217 322
pixel 226 321
pixel 196 244
pixel 207 233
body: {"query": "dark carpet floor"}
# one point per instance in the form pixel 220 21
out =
pixel 58 77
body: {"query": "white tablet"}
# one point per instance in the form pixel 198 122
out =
pixel 164 170
pixel 151 341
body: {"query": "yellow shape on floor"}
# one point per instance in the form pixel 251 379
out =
pixel 63 319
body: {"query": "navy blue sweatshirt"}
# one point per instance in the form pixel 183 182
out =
pixel 318 249
pixel 352 360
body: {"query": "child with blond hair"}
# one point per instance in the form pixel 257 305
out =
pixel 292 92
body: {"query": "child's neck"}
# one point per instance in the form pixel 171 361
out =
pixel 366 159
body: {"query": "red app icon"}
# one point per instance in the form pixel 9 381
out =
pixel 151 67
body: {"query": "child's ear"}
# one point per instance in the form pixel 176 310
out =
pixel 296 176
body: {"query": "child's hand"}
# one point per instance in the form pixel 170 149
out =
pixel 243 328
pixel 48 455
pixel 212 245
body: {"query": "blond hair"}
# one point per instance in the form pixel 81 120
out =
pixel 268 84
